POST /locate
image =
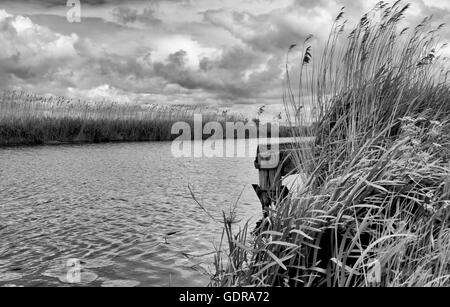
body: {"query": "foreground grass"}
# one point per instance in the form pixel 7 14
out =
pixel 374 209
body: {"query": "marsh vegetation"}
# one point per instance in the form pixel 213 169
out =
pixel 374 206
pixel 28 119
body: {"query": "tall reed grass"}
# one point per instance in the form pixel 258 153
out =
pixel 27 119
pixel 374 208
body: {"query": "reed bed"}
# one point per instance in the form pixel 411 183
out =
pixel 27 119
pixel 374 206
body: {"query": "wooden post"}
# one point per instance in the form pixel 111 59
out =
pixel 270 164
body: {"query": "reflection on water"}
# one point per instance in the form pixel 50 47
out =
pixel 111 206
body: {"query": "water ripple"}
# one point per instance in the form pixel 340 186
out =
pixel 111 206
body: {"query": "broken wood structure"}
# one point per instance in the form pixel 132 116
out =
pixel 274 161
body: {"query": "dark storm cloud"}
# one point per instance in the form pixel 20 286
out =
pixel 176 71
pixel 225 76
pixel 55 3
pixel 125 15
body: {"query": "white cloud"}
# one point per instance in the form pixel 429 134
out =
pixel 440 4
pixel 173 43
pixel 102 92
pixel 4 15
pixel 28 45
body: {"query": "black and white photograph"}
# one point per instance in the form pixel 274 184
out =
pixel 209 145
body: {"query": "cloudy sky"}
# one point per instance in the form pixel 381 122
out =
pixel 223 53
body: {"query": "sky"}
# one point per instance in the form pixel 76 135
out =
pixel 227 54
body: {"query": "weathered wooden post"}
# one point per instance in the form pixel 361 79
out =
pixel 273 162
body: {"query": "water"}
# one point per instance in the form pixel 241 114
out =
pixel 111 206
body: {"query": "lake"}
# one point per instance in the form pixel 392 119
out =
pixel 109 208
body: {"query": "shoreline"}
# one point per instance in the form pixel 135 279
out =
pixel 62 143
